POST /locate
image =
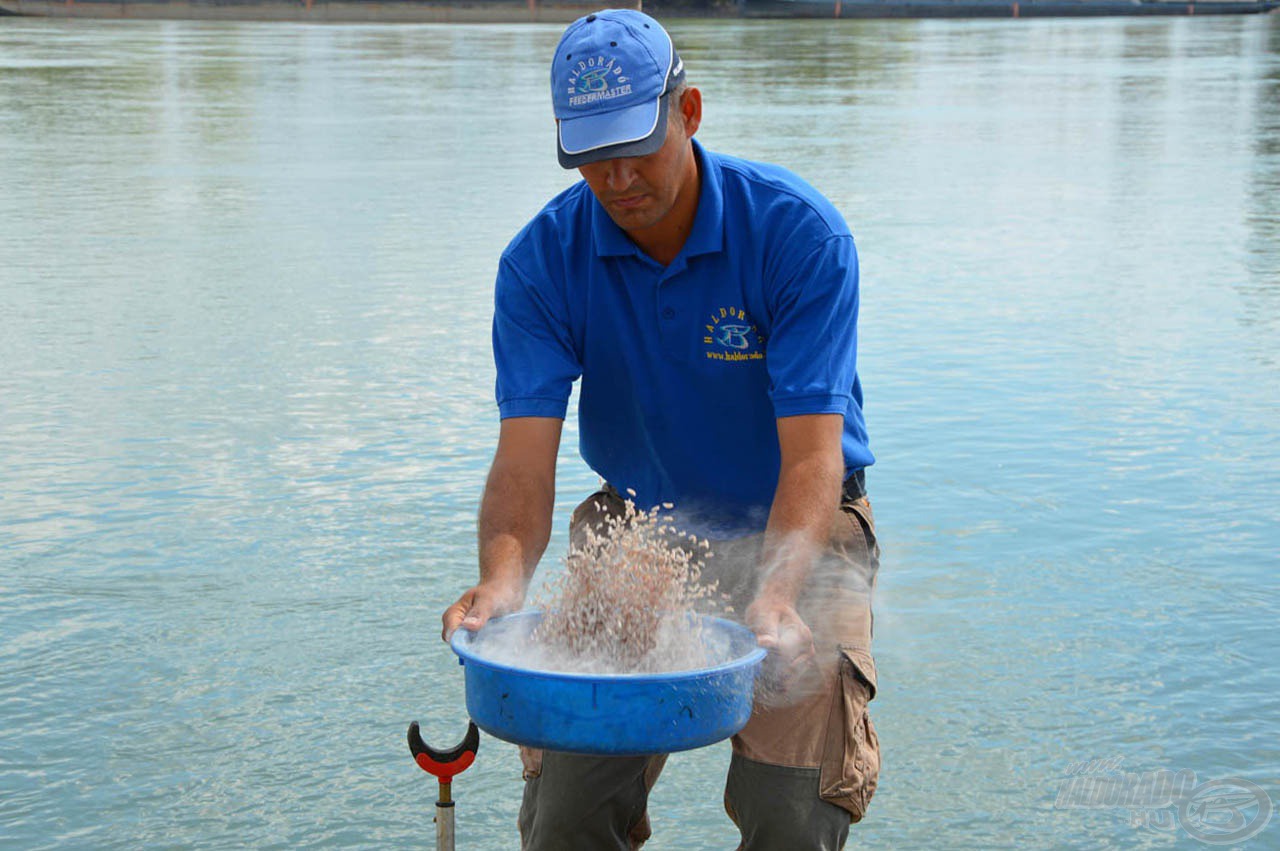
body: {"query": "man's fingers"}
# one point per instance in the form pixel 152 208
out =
pixel 476 606
pixel 794 641
pixel 791 652
pixel 803 659
pixel 765 626
pixel 476 616
pixel 450 619
pixel 458 614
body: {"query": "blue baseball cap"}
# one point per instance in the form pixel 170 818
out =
pixel 608 80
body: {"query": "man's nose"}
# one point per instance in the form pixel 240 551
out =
pixel 621 174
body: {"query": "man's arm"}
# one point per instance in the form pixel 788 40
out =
pixel 515 520
pixel 799 527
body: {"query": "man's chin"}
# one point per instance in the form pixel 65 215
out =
pixel 636 218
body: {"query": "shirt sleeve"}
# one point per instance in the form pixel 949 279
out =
pixel 532 346
pixel 812 348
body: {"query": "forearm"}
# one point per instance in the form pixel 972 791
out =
pixel 799 522
pixel 515 524
pixel 515 521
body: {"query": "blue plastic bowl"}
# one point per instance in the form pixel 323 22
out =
pixel 611 714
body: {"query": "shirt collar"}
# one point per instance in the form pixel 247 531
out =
pixel 707 236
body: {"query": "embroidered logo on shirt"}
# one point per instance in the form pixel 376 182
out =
pixel 731 336
pixel 596 79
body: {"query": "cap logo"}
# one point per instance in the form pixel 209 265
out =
pixel 597 79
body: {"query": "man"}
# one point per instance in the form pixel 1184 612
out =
pixel 709 306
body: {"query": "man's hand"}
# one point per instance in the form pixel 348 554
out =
pixel 780 630
pixel 478 604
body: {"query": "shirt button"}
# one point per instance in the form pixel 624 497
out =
pixel 668 313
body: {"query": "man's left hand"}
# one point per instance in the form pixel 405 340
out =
pixel 780 630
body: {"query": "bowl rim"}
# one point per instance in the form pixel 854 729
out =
pixel 463 637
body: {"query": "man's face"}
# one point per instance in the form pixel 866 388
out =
pixel 639 192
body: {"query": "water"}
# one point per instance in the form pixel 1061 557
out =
pixel 246 412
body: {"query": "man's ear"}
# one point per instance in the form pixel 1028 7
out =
pixel 691 110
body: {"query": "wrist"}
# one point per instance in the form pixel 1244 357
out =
pixel 776 593
pixel 778 590
pixel 503 588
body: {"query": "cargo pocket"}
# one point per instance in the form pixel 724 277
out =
pixel 851 753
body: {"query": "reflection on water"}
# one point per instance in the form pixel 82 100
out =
pixel 1260 292
pixel 247 410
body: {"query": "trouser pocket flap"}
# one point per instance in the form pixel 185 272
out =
pixel 863 667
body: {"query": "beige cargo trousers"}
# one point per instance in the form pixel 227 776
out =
pixel 805 766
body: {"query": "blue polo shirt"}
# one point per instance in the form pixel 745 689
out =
pixel 685 367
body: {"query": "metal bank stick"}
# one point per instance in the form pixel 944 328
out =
pixel 445 765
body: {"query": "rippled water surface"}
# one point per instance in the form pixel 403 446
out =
pixel 246 411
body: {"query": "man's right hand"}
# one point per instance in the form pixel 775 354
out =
pixel 478 604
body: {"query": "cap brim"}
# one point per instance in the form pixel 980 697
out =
pixel 631 132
